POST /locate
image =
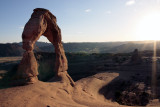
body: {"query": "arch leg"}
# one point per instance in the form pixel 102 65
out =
pixel 62 64
pixel 27 69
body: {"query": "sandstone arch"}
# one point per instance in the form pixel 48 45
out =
pixel 42 22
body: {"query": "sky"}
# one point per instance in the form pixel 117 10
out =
pixel 85 20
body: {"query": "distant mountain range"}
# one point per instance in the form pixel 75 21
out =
pixel 15 49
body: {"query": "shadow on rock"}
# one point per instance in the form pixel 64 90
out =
pixel 127 92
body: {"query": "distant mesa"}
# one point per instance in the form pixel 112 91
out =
pixel 42 22
pixel 145 49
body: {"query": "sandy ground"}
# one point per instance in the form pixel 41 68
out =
pixel 9 59
pixel 56 94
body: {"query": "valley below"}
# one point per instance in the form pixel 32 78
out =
pixel 102 80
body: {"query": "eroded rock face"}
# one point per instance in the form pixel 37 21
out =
pixel 135 95
pixel 42 22
pixel 28 66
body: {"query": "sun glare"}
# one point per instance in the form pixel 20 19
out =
pixel 149 27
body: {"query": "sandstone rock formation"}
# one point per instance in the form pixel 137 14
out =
pixel 135 95
pixel 28 68
pixel 42 22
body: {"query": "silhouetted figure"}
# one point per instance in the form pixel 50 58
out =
pixel 135 58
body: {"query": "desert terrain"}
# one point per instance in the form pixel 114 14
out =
pixel 101 80
pixel 80 53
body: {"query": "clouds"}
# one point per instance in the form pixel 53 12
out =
pixel 21 27
pixel 88 10
pixel 130 2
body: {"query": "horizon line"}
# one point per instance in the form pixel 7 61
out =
pixel 90 41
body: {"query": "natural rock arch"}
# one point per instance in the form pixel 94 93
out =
pixel 42 22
